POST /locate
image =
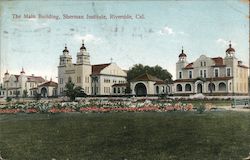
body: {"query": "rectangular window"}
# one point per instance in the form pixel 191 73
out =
pixel 201 63
pixel 201 73
pixel 190 74
pixel 61 90
pixel 205 73
pixel 228 72
pixel 180 75
pixel 114 90
pixel 119 90
pixel 216 72
pixel 61 80
pixel 205 63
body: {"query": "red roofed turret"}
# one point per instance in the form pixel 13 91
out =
pixel 230 51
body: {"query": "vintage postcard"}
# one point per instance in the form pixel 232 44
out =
pixel 124 79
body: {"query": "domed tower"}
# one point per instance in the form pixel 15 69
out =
pixel 66 58
pixel 182 62
pixel 83 55
pixel 6 76
pixel 182 56
pixel 22 72
pixel 230 52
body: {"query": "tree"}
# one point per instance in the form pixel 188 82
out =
pixel 156 71
pixel 72 91
pixel 37 96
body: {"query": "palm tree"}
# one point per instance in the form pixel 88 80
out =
pixel 72 91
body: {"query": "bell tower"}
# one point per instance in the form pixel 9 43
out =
pixel 83 56
pixel 65 58
pixel 182 62
pixel 230 52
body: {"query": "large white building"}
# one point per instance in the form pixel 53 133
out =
pixel 22 85
pixel 211 76
pixel 94 79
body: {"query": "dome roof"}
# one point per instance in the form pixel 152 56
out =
pixel 182 53
pixel 230 49
pixel 65 49
pixel 7 73
pixel 22 71
pixel 83 47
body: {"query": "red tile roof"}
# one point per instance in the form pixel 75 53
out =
pixel 206 79
pixel 184 80
pixel 49 84
pixel 37 79
pixel 120 84
pixel 243 66
pixel 159 82
pixel 146 77
pixel 218 78
pixel 96 69
pixel 189 66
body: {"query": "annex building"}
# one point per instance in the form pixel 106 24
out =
pixel 211 76
pixel 94 79
pixel 22 85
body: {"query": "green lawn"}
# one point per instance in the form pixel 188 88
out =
pixel 176 135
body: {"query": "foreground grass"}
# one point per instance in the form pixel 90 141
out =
pixel 214 135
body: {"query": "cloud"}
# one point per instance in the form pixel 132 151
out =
pixel 88 38
pixel 170 31
pixel 166 31
pixel 224 42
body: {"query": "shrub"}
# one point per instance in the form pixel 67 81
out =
pixel 8 99
pixel 200 108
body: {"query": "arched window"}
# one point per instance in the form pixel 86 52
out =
pixel 222 86
pixel 187 87
pixel 211 87
pixel 179 88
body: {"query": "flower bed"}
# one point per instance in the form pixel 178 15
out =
pixel 95 106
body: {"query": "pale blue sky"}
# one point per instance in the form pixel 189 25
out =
pixel 202 27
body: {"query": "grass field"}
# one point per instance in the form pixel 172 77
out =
pixel 151 135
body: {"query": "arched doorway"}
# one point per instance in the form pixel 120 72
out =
pixel 222 86
pixel 199 88
pixel 211 87
pixel 140 89
pixel 44 92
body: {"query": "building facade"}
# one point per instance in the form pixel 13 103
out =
pixel 94 79
pixel 147 84
pixel 211 76
pixel 23 85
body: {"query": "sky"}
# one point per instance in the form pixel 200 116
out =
pixel 201 27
